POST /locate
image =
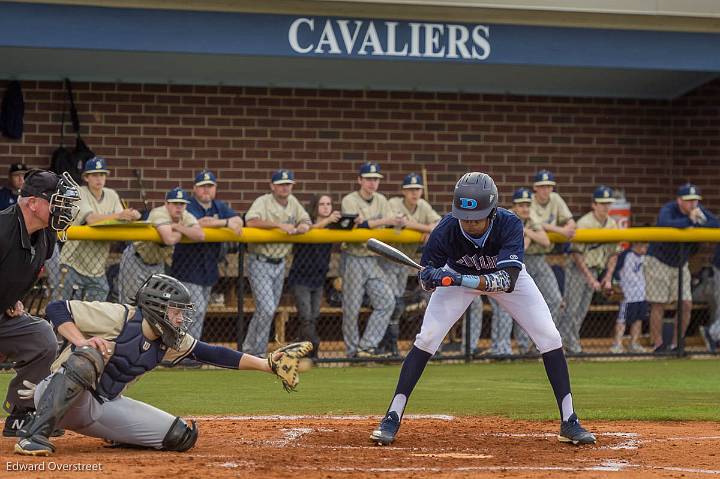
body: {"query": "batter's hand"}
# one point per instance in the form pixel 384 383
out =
pixel 432 277
pixel 103 345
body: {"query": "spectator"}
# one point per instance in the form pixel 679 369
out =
pixel 266 262
pixel 16 177
pixel 84 261
pixel 502 322
pixel 419 216
pixel 311 262
pixel 664 259
pixel 142 259
pixel 361 268
pixel 549 209
pixel 711 332
pixel 583 273
pixel 196 264
pixel 634 310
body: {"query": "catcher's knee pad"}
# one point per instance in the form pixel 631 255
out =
pixel 180 437
pixel 85 366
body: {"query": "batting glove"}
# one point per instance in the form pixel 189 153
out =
pixel 431 277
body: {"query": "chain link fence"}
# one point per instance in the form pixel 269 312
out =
pixel 365 308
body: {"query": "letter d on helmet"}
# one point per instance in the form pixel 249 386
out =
pixel 475 197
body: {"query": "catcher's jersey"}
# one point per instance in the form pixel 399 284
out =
pixel 106 320
pixel 500 247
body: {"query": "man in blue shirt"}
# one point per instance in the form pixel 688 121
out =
pixel 16 178
pixel 196 264
pixel 479 249
pixel 664 261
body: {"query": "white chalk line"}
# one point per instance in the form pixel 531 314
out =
pixel 610 466
pixel 277 417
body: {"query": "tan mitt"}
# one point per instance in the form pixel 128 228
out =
pixel 285 362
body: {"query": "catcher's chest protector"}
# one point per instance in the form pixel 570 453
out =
pixel 134 356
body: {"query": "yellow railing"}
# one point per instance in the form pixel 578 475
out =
pixel 359 235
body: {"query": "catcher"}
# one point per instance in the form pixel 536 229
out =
pixel 111 345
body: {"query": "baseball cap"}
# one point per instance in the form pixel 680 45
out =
pixel 177 195
pixel 40 183
pixel 544 177
pixel 522 195
pixel 283 177
pixel 688 191
pixel 95 164
pixel 370 170
pixel 413 180
pixel 603 194
pixel 18 168
pixel 205 177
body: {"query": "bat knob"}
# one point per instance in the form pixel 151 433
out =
pixel 446 281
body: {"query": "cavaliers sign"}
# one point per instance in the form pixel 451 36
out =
pixel 377 38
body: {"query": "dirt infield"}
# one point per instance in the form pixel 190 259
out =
pixel 430 446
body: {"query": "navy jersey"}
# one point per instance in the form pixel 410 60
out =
pixel 676 254
pixel 197 263
pixel 500 247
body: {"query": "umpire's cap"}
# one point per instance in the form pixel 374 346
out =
pixel 475 197
pixel 40 183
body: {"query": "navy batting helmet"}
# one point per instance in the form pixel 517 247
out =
pixel 475 198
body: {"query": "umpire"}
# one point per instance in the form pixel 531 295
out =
pixel 27 237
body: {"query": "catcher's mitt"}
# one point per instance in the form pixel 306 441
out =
pixel 284 362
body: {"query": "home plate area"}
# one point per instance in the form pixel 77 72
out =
pixel 427 446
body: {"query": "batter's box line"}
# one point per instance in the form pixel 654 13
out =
pixel 277 417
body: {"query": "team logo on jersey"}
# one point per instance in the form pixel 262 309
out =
pixel 468 203
pixel 145 346
pixel 479 262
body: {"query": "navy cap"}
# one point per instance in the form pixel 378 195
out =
pixel 18 168
pixel 688 191
pixel 283 177
pixel 95 165
pixel 603 194
pixel 40 183
pixel 177 195
pixel 413 180
pixel 370 170
pixel 544 177
pixel 205 177
pixel 522 195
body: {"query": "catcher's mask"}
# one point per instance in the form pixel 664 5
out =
pixel 160 297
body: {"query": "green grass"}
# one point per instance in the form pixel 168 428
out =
pixel 642 390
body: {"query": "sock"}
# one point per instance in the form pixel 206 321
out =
pixel 557 372
pixel 410 373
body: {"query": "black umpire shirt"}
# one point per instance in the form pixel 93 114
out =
pixel 21 256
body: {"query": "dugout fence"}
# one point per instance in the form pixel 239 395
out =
pixel 264 288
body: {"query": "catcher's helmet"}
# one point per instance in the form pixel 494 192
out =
pixel 475 198
pixel 155 296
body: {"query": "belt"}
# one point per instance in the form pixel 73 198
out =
pixel 266 259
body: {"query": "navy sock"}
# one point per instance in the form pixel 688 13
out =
pixel 557 372
pixel 412 369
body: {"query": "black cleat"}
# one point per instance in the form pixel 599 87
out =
pixel 385 434
pixel 16 421
pixel 571 431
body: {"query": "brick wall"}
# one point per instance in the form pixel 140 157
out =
pixel 169 132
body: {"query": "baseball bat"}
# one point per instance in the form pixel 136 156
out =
pixel 142 191
pixel 394 254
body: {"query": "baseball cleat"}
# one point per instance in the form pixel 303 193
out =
pixel 385 434
pixel 34 446
pixel 572 431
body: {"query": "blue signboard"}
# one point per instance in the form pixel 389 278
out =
pixel 245 34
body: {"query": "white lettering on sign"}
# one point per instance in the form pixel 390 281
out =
pixel 394 39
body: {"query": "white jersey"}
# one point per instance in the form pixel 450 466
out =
pixel 632 280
